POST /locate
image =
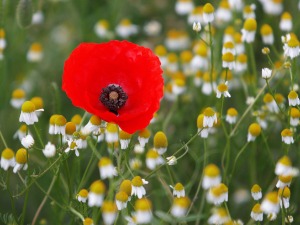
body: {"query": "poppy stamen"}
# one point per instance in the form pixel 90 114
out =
pixel 113 97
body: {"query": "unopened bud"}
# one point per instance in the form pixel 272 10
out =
pixel 197 26
pixel 265 51
pixel 172 160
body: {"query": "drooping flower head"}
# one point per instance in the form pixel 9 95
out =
pixel 118 81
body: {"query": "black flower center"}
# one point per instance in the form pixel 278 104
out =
pixel 113 97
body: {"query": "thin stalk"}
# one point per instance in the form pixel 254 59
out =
pixel 13 207
pixel 3 140
pixel 170 114
pixel 252 63
pixel 211 56
pixel 39 136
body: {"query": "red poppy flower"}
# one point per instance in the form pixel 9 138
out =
pixel 118 81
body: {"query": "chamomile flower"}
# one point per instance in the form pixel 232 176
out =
pixel 284 181
pixel 184 7
pixel 291 48
pixel 208 13
pixel 27 141
pixel 239 44
pixel 286 23
pixel 37 18
pixel 178 86
pixel 219 216
pixel 160 142
pixel 228 61
pixel 152 28
pixel 196 15
pixel 52 123
pixel 35 53
pixel 92 126
pixel 17 98
pixel 257 213
pixel 109 212
pixel 124 139
pixel 49 150
pixel 77 119
pixel 60 125
pixel 82 195
pixel 294 116
pixel 126 29
pixel 270 203
pixel 70 129
pixel 266 73
pixel 287 136
pixel 222 89
pixel 121 200
pixel 135 163
pixel 126 187
pixel 143 137
pixel 267 35
pixel 249 30
pixel 254 131
pixel 111 133
pixel 293 99
pixel 249 11
pixel 101 29
pixel 211 177
pixel 106 168
pixel 153 159
pixel 178 190
pixel 236 4
pixel 231 116
pixel 180 206
pixel 284 167
pixel 270 103
pixel 223 13
pixel 272 7
pixel 21 132
pixel 284 196
pixel 200 58
pixel 137 187
pixel 143 211
pixel 161 52
pixel 177 40
pixel 7 159
pixel 218 194
pixel 72 146
pixel 2 39
pixel 228 34
pixel 210 117
pixel 241 63
pixel 96 194
pixel 203 131
pixel 256 192
pixel 197 26
pixel 21 160
pixel 28 113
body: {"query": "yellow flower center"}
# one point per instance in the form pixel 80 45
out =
pixel 208 8
pixel 222 212
pixel 28 107
pixel 21 156
pixel 224 4
pixel 178 187
pixel 232 112
pixel 145 133
pixel 18 93
pixel 95 120
pixel 76 119
pixel 172 58
pixel 70 128
pixel 287 133
pixel 200 121
pixel 256 208
pixel 60 120
pixel 268 98
pixel 242 58
pixel 126 187
pixel 2 33
pixel 229 45
pixel 254 129
pixel 222 87
pixel 98 187
pixel 183 202
pixel 272 197
pixel 250 24
pixel 23 128
pixel 293 42
pixel 248 9
pixel 109 207
pixel 53 118
pixel 36 47
pixel 237 38
pixel 186 56
pixel 104 161
pixel 103 23
pixel 265 30
pixel 143 204
pixel 124 135
pixel 255 188
pixel 125 22
pixel 83 193
pixel 7 153
pixel 228 57
pixel 179 82
pixel 293 95
pixel 285 161
pixel 137 181
pixel 209 112
pixel 38 102
pixel 279 98
pixel 112 128
pixel 122 196
pixel 285 179
pixel 229 30
pixel 197 10
pixel 152 154
pixel 295 113
pixel 160 140
pixel 285 192
pixel 211 170
pixel 160 50
pixel 88 221
pixel 286 16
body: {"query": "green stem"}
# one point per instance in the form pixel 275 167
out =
pixel 3 140
pixel 170 114
pixel 211 56
pixel 252 63
pixel 39 136
pixel 57 108
pixel 85 172
pixel 45 198
pixel 13 207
